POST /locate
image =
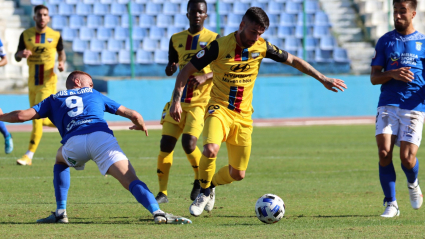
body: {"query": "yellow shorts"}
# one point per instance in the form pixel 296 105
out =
pixel 39 93
pixel 191 122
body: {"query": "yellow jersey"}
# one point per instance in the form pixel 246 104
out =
pixel 43 46
pixel 235 70
pixel 183 46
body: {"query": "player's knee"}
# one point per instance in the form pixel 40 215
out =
pixel 211 150
pixel 189 143
pixel 408 160
pixel 385 154
pixel 237 175
pixel 167 143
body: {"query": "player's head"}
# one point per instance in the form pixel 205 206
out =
pixel 41 16
pixel 79 79
pixel 196 12
pixel 404 12
pixel 254 23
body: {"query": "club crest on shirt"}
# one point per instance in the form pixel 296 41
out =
pixel 203 44
pixel 50 40
pixel 418 46
pixel 255 55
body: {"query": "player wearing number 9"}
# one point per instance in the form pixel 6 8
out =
pixel 78 114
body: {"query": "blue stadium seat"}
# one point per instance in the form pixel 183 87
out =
pixel 261 5
pixel 79 45
pixel 123 1
pixel 137 9
pixel 141 1
pixel 76 21
pixel 292 43
pixel 172 30
pixel 53 9
pixel 327 43
pixel 124 57
pixel 136 44
pixel 170 8
pixel 37 2
pixel 91 58
pixel 66 9
pixel 309 20
pixel 270 32
pixel 164 20
pixel 228 30
pixel 94 21
pixel 83 9
pixel 161 57
pixel 321 19
pixel 156 32
pixel 310 43
pixel 183 8
pixel 149 44
pixel 164 43
pixel 234 20
pixel 110 21
pixel 213 20
pixel 106 1
pixel 59 22
pixel 287 19
pixel 285 31
pixel 55 1
pixel 118 9
pixel 97 45
pixel 275 41
pixel 100 9
pixel 139 33
pixel 180 20
pixel 309 56
pixel 210 7
pixel 312 6
pixel 114 45
pixel 319 31
pixel 323 55
pixel 104 33
pixel 90 1
pixel 86 33
pixel 273 19
pixel 340 55
pixel 240 7
pixel 69 34
pixel 146 20
pixel 293 7
pixel 144 57
pixel 124 21
pixel 153 8
pixel 71 1
pixel 299 31
pixel 108 57
pixel 121 33
pixel 274 7
pixel 224 8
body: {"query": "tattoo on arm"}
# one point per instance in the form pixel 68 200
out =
pixel 177 95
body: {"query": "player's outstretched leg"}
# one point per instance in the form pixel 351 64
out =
pixel 193 155
pixel 415 193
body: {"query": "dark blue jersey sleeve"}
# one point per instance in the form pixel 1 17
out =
pixel 110 105
pixel 379 58
pixel 44 107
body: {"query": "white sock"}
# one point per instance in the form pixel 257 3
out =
pixel 29 154
pixel 157 211
pixel 60 212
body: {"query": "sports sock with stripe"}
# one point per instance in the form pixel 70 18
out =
pixel 194 159
pixel 165 160
pixel 142 194
pixel 387 177
pixel 61 182
pixel 411 174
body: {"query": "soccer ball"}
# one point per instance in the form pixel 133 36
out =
pixel 270 208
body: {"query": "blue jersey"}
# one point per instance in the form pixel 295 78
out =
pixel 394 51
pixel 2 50
pixel 77 111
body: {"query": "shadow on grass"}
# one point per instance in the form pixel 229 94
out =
pixel 328 216
pixel 78 221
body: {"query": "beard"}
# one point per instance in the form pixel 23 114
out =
pixel 400 27
pixel 244 40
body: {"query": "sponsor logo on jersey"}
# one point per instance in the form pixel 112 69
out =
pixel 203 44
pixel 228 56
pixel 391 44
pixel 418 46
pixel 255 55
pixel 200 54
pixel 77 123
pixel 71 161
pixel 180 45
pixel 49 40
pixel 395 56
pixel 40 49
pixel 240 67
pixel 188 56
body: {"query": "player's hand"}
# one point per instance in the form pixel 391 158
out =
pixel 140 127
pixel 176 111
pixel 199 80
pixel 25 53
pixel 334 84
pixel 61 66
pixel 170 69
pixel 403 74
pixel 1 111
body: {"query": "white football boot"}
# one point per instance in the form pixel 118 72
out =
pixel 210 205
pixel 167 218
pixel 198 205
pixel 54 219
pixel 391 210
pixel 415 194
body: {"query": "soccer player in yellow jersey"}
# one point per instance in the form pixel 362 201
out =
pixel 39 45
pixel 235 60
pixel 196 93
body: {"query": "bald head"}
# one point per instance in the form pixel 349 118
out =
pixel 78 79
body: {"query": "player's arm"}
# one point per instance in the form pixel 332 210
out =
pixel 135 117
pixel 199 80
pixel 203 58
pixel 61 55
pixel 378 77
pixel 173 59
pixel 22 52
pixel 19 116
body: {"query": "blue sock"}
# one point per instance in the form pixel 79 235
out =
pixel 3 129
pixel 142 194
pixel 388 177
pixel 206 191
pixel 411 174
pixel 61 182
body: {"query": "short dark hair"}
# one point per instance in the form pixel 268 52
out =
pixel 72 76
pixel 257 15
pixel 413 3
pixel 39 7
pixel 196 1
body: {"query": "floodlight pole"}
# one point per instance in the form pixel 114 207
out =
pixel 130 27
pixel 217 20
pixel 389 16
pixel 304 31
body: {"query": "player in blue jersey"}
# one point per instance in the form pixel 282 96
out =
pixel 78 115
pixel 8 141
pixel 398 66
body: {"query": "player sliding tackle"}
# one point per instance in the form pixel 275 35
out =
pixel 78 115
pixel 235 60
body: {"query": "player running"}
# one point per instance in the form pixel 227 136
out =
pixel 235 60
pixel 183 46
pixel 39 45
pixel 8 141
pixel 398 67
pixel 78 114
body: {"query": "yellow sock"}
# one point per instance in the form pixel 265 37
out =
pixel 47 122
pixel 194 158
pixel 222 176
pixel 165 160
pixel 206 171
pixel 36 133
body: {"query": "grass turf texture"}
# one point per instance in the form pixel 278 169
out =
pixel 326 175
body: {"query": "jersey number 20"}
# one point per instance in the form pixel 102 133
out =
pixel 78 104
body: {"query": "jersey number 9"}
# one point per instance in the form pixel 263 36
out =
pixel 78 104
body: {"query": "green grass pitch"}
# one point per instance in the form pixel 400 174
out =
pixel 326 175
